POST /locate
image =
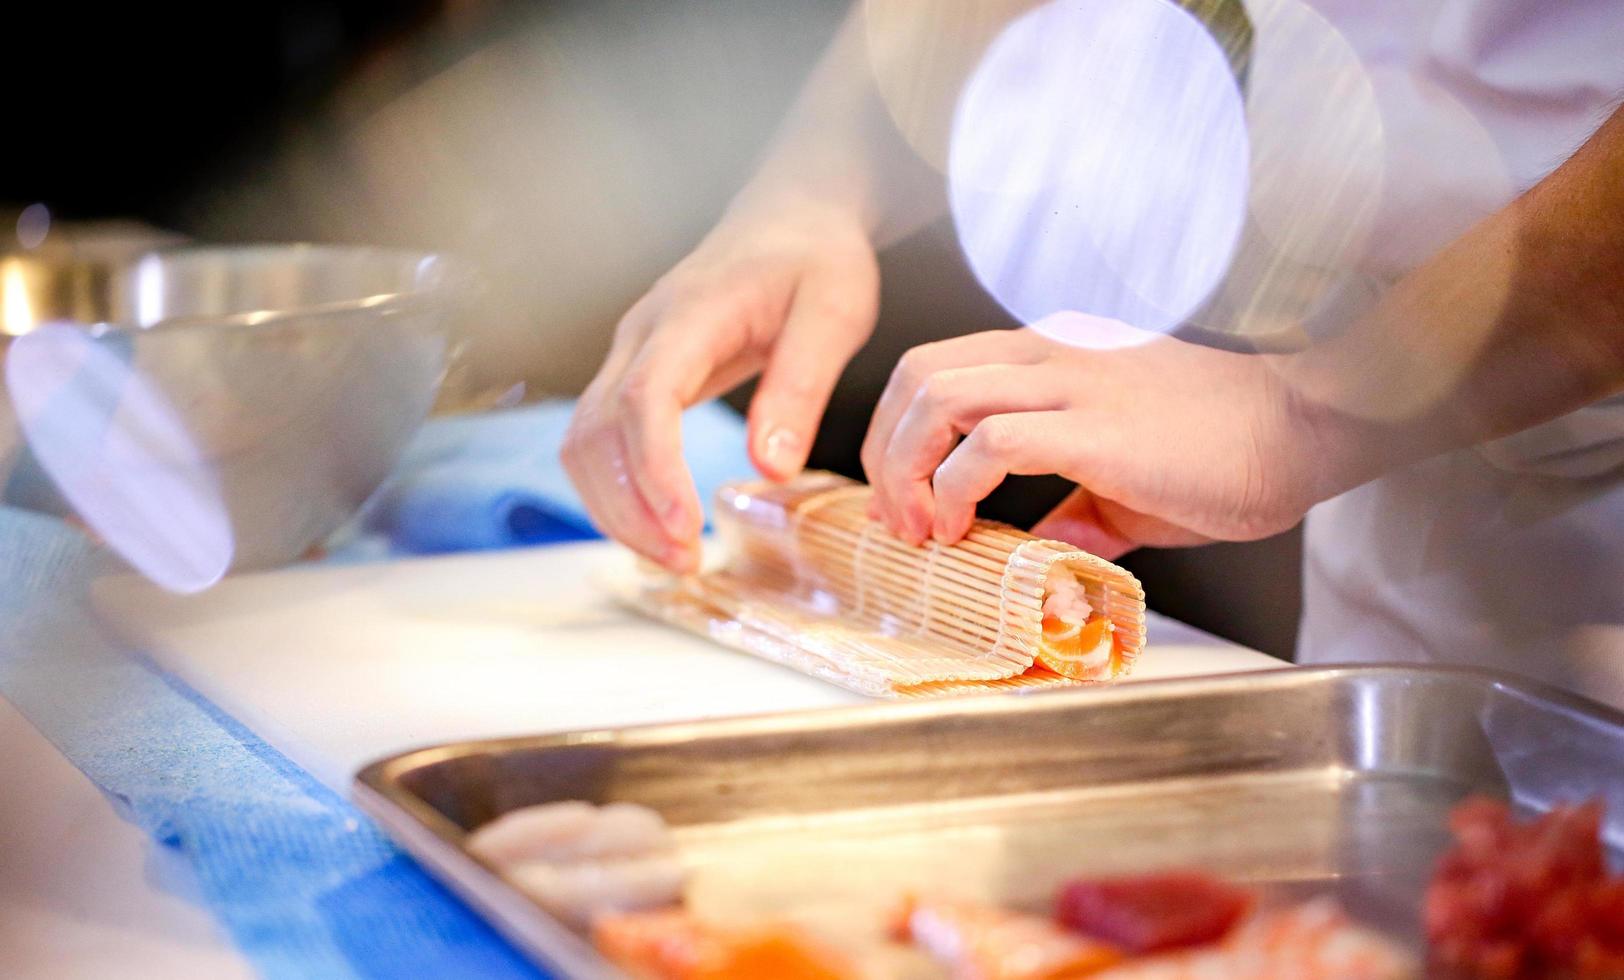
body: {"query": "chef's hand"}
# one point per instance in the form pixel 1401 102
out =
pixel 788 290
pixel 1170 443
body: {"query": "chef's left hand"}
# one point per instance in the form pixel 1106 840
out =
pixel 1170 443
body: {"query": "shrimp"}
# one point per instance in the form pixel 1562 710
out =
pixel 1064 598
pixel 979 942
pixel 1312 941
pixel 1072 644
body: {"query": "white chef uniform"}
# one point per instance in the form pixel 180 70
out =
pixel 1509 555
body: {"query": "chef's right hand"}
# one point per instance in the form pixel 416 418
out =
pixel 788 291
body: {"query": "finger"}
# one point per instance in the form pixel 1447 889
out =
pixel 827 323
pixel 595 458
pixel 666 377
pixel 989 347
pixel 1141 529
pixel 1078 520
pixel 630 333
pixel 739 369
pixel 1001 445
pixel 947 405
pixel 595 455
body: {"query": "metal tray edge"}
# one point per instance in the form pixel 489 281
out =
pixel 376 774
pixel 501 905
pixel 435 842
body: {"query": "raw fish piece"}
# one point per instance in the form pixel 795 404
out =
pixel 579 861
pixel 1074 642
pixel 1081 651
pixel 571 831
pixel 1154 912
pixel 578 893
pixel 980 942
pixel 673 945
pixel 532 832
pixel 1312 941
pixel 1515 899
pixel 621 830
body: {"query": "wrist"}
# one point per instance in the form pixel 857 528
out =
pixel 773 197
pixel 1338 446
pixel 887 199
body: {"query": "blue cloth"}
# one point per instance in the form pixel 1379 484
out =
pixel 444 510
pixel 306 884
pixel 494 481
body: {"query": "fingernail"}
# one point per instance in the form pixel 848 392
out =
pixel 674 516
pixel 780 450
pixel 919 514
pixel 679 557
pixel 904 530
pixel 911 531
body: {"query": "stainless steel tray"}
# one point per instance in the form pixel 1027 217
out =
pixel 1326 780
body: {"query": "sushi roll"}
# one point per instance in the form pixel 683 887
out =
pixel 809 581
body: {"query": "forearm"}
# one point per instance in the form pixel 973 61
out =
pixel 840 148
pixel 1519 321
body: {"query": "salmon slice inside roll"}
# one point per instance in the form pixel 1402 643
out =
pixel 1077 641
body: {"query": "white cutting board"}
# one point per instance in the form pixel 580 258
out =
pixel 339 665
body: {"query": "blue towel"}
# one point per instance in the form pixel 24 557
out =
pixel 306 884
pixel 447 508
pixel 494 481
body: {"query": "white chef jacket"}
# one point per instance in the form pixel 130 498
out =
pixel 1508 555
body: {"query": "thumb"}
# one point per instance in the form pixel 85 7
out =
pixel 825 327
pixel 1078 521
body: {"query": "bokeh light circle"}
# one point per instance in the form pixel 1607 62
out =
pixel 1317 171
pixel 1099 164
pixel 119 453
pixel 919 54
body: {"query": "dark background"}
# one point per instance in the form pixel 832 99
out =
pixel 131 111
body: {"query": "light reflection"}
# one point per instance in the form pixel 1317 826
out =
pixel 1087 330
pixel 1317 170
pixel 920 52
pixel 1316 136
pixel 120 455
pixel 149 291
pixel 17 315
pixel 1099 164
pixel 33 224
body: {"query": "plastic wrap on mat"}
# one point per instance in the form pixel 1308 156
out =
pixel 810 582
